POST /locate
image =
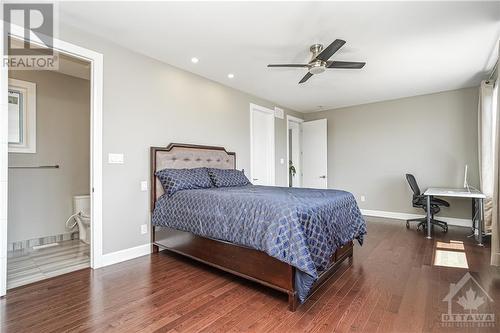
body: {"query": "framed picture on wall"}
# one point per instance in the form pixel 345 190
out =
pixel 22 116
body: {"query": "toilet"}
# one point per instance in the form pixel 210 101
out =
pixel 81 206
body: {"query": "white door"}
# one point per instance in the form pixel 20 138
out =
pixel 294 152
pixel 314 154
pixel 262 145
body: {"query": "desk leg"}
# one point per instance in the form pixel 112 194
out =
pixel 480 223
pixel 429 214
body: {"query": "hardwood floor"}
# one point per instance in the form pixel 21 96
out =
pixel 392 286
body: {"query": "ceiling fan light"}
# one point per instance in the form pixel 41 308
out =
pixel 316 68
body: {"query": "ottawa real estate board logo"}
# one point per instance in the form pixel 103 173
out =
pixel 28 34
pixel 469 305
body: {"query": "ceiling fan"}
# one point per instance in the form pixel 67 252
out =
pixel 319 60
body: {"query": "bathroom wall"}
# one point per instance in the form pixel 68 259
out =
pixel 40 200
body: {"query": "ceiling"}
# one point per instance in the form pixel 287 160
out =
pixel 410 48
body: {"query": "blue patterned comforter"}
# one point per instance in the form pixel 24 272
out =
pixel 302 227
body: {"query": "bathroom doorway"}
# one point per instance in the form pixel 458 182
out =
pixel 94 61
pixel 49 171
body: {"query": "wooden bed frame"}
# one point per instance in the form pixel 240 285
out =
pixel 239 260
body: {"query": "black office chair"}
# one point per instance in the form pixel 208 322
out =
pixel 420 201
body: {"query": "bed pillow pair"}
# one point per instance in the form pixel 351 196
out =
pixel 174 180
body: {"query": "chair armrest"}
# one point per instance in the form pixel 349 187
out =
pixel 419 199
pixel 440 202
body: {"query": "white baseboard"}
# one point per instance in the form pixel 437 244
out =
pixel 406 216
pixel 124 255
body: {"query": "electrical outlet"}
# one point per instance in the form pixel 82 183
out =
pixel 363 198
pixel 144 186
pixel 144 229
pixel 282 161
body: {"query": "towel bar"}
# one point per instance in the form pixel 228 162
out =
pixel 35 167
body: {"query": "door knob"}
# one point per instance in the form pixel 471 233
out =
pixel 323 177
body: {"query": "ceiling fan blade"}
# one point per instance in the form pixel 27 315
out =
pixel 345 64
pixel 330 50
pixel 306 77
pixel 288 65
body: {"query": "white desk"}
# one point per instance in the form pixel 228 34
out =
pixel 457 193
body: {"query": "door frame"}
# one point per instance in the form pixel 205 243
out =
pixel 258 108
pixel 96 92
pixel 299 121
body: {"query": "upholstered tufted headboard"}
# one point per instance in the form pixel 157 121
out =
pixel 186 156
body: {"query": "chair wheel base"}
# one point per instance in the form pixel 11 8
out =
pixel 422 225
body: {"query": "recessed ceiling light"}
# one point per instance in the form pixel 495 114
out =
pixel 194 60
pixel 230 75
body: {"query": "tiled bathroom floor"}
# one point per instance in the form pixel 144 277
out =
pixel 27 266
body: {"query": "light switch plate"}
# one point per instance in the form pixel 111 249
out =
pixel 144 229
pixel 144 186
pixel 114 158
pixel 282 161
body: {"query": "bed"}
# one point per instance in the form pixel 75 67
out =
pixel 270 235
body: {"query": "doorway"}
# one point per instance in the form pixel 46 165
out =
pixel 95 61
pixel 49 171
pixel 294 151
pixel 262 156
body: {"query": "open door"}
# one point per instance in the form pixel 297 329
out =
pixel 314 154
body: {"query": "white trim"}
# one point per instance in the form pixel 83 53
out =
pixel 28 144
pixel 4 156
pixel 296 120
pixel 124 255
pixel 406 216
pixel 273 153
pixel 96 62
pixel 96 79
pixel 261 109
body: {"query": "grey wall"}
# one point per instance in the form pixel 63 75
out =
pixel 40 200
pixel 372 146
pixel 149 103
